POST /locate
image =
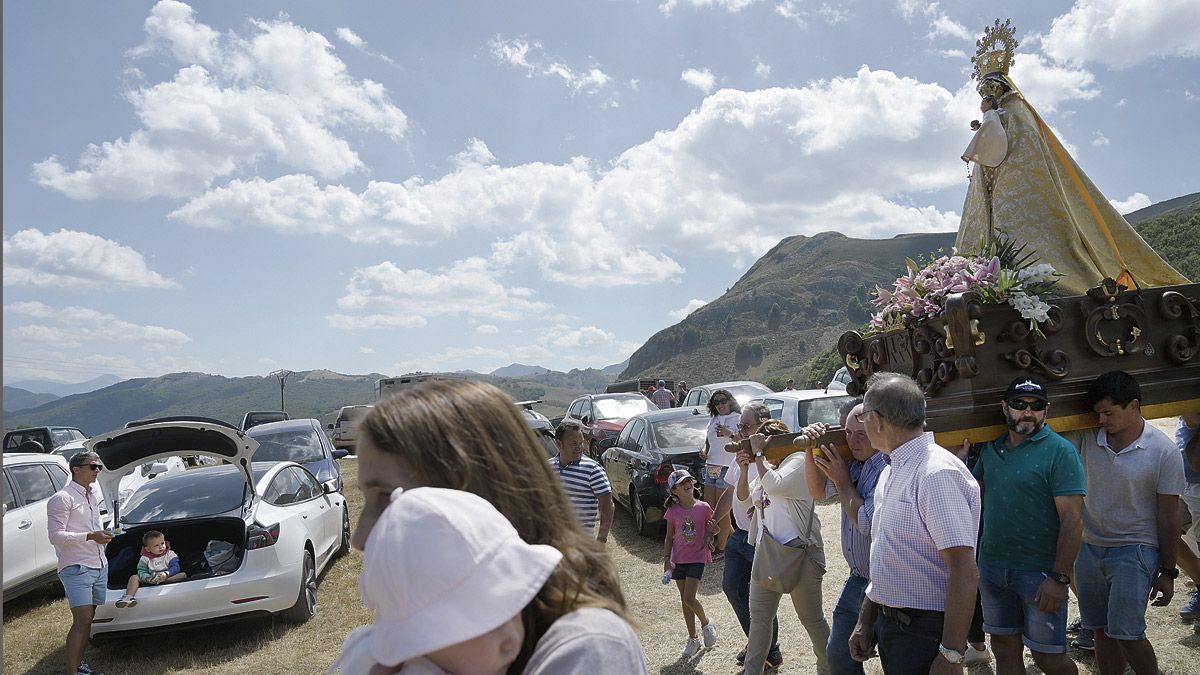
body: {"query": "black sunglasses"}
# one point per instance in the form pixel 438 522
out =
pixel 1036 406
pixel 719 401
pixel 93 467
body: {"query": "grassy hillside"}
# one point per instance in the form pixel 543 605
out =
pixel 1176 236
pixel 785 312
pixel 16 398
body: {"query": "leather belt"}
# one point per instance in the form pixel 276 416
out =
pixel 905 616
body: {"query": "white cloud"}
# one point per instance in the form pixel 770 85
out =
pixel 700 79
pixel 1134 202
pixel 1099 140
pixel 518 52
pixel 682 313
pixel 386 295
pixel 1125 33
pixel 956 54
pixel 280 93
pixel 761 69
pixel 790 9
pixel 486 329
pixel 64 325
pixel 731 6
pixel 943 26
pixel 366 350
pixel 351 38
pixel 1121 103
pixel 1047 85
pixel 71 259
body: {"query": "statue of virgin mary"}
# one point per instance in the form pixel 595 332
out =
pixel 1029 189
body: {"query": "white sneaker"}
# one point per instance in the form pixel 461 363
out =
pixel 710 634
pixel 976 656
pixel 127 600
pixel 691 647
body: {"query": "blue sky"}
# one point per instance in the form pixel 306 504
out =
pixel 381 186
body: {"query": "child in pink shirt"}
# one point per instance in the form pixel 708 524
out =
pixel 688 548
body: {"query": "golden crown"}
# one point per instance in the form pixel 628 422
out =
pixel 994 51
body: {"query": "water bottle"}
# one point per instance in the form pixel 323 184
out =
pixel 667 575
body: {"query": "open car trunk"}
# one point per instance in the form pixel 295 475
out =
pixel 206 547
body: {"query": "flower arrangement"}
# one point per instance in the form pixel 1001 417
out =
pixel 1002 273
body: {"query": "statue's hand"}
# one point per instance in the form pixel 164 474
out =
pixel 975 125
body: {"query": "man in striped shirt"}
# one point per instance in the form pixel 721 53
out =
pixel 854 484
pixel 583 479
pixel 923 576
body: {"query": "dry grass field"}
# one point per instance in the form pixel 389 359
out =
pixel 34 625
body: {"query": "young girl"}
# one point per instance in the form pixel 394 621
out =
pixel 448 579
pixel 688 548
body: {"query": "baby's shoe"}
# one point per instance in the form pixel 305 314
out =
pixel 127 600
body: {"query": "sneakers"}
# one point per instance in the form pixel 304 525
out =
pixel 1075 626
pixel 718 556
pixel 691 647
pixel 85 669
pixel 741 656
pixel 1086 640
pixel 710 634
pixel 1192 609
pixel 774 659
pixel 977 656
pixel 127 600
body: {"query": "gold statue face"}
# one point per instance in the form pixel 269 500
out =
pixel 991 88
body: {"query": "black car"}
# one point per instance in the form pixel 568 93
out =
pixel 649 448
pixel 541 426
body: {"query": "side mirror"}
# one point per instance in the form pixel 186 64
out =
pixel 606 444
pixel 329 487
pixel 329 426
pixel 587 420
pixel 340 453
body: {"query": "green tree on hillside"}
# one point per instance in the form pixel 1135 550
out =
pixel 1175 237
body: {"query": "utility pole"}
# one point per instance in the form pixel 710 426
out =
pixel 283 376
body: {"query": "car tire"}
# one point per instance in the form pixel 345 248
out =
pixel 344 544
pixel 639 515
pixel 306 598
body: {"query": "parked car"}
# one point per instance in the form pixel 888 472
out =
pixel 29 559
pixel 344 430
pixel 648 449
pixel 48 438
pixel 253 537
pixel 541 426
pixel 606 414
pixel 802 407
pixel 303 442
pixel 133 479
pixel 257 417
pixel 742 390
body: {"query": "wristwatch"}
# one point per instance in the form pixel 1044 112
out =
pixel 760 453
pixel 952 655
pixel 1172 572
pixel 1061 578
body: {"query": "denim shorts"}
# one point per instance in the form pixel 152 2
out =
pixel 711 470
pixel 84 585
pixel 687 571
pixel 1114 585
pixel 1009 608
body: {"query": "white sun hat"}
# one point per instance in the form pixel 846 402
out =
pixel 676 476
pixel 444 566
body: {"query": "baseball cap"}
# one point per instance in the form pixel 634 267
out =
pixel 444 566
pixel 676 476
pixel 1026 386
pixel 661 382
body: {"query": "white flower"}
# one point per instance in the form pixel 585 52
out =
pixel 1029 306
pixel 1036 274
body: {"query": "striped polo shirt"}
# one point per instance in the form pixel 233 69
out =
pixel 584 480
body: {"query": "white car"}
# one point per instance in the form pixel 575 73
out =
pixel 802 407
pixel 135 477
pixel 742 390
pixel 252 537
pixel 344 431
pixel 29 480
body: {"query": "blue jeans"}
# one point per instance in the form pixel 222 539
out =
pixel 911 649
pixel 1010 608
pixel 739 559
pixel 845 616
pixel 1114 585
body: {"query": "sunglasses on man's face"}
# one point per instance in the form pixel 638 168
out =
pixel 1036 406
pixel 93 467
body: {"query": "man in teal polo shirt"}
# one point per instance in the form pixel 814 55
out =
pixel 1033 485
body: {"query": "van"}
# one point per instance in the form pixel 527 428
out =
pixel 344 430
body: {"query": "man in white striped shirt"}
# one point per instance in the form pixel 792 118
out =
pixel 583 479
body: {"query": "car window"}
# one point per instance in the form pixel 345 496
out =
pixel 576 409
pixel 58 476
pixel 32 482
pixel 307 483
pixel 352 413
pixel 77 435
pixel 295 445
pixel 632 431
pixel 204 491
pixel 613 408
pixel 285 489
pixel 10 501
pixel 60 436
pixel 775 406
pixel 68 453
pixel 745 391
pixel 681 432
pixel 821 410
pixel 704 396
pixel 639 436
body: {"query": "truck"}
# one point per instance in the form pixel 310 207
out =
pixel 388 386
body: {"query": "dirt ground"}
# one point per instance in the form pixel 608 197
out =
pixel 35 625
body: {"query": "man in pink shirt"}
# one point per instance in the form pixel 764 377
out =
pixel 73 516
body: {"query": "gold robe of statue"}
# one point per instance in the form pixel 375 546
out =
pixel 1040 197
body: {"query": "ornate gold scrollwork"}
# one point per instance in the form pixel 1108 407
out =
pixel 1103 337
pixel 1184 346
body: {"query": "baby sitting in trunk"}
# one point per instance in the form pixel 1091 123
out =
pixel 158 565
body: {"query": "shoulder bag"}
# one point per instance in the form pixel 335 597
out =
pixel 778 567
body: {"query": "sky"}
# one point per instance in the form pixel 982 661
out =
pixel 239 187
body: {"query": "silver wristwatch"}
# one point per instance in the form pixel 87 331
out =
pixel 952 655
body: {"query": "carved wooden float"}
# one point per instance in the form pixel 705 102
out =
pixel 966 356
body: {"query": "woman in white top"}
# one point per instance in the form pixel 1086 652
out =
pixel 725 412
pixel 784 510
